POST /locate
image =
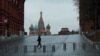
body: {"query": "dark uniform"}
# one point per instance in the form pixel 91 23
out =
pixel 39 41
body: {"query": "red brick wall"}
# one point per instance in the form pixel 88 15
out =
pixel 10 10
pixel 87 26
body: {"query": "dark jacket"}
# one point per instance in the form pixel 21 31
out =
pixel 39 39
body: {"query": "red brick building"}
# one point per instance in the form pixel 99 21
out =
pixel 89 18
pixel 11 17
pixel 87 26
pixel 64 31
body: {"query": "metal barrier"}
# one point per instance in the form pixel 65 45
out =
pixel 44 48
pixel 74 46
pixel 64 46
pixel 52 49
pixel 25 49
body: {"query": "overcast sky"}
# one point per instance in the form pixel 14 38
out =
pixel 58 13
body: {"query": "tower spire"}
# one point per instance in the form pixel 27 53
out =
pixel 41 26
pixel 41 13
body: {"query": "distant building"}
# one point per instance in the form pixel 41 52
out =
pixel 64 31
pixel 11 18
pixel 40 28
pixel 74 32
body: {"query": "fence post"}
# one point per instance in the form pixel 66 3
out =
pixel 25 49
pixel 16 49
pixel 44 48
pixel 84 46
pixel 2 52
pixel 94 46
pixel 7 48
pixel 35 48
pixel 64 46
pixel 74 46
pixel 53 48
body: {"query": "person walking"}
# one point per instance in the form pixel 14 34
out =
pixel 39 41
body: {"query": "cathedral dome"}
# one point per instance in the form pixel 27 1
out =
pixel 31 27
pixel 48 26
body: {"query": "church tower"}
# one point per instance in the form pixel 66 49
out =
pixel 48 30
pixel 41 26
